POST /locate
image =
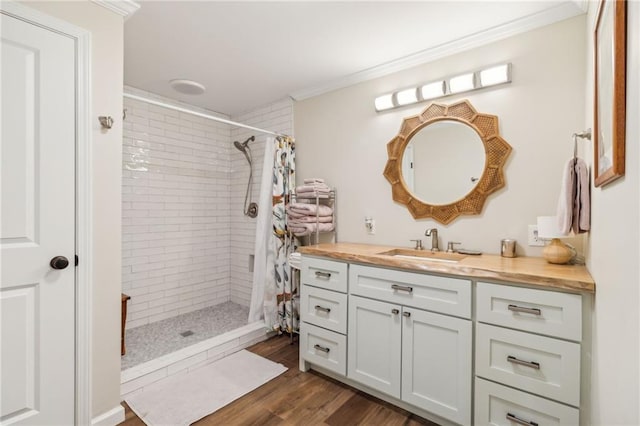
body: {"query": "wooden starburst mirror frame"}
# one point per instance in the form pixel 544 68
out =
pixel 496 152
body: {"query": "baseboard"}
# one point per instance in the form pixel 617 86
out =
pixel 110 418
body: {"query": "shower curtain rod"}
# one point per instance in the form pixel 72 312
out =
pixel 200 114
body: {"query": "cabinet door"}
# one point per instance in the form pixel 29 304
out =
pixel 374 344
pixel 436 364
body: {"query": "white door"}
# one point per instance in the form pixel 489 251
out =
pixel 374 344
pixel 436 364
pixel 37 187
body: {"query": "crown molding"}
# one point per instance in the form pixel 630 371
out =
pixel 558 13
pixel 124 8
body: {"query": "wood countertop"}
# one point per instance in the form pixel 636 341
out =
pixel 534 271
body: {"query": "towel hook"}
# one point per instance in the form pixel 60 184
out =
pixel 585 134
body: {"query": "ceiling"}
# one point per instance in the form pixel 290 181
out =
pixel 248 54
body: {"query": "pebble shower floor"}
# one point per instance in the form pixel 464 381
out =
pixel 154 340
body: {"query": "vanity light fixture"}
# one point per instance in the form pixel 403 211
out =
pixel 495 75
pixel 461 83
pixel 407 96
pixel 485 77
pixel 432 90
pixel 384 102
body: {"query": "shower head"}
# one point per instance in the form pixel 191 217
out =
pixel 242 146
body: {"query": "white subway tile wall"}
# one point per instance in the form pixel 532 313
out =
pixel 186 242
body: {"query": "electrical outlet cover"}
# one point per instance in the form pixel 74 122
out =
pixel 532 237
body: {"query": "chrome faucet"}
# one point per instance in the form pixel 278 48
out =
pixel 433 233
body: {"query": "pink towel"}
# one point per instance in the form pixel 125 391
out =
pixel 574 203
pixel 309 219
pixel 310 209
pixel 309 228
pixel 313 188
pixel 314 180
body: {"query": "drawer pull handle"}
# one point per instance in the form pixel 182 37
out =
pixel 530 364
pixel 395 311
pixel 325 275
pixel 406 314
pixel 519 421
pixel 322 308
pixel 516 308
pixel 402 288
pixel 321 348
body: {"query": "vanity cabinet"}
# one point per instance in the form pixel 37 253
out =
pixel 433 344
pixel 323 314
pixel 529 340
pixel 412 348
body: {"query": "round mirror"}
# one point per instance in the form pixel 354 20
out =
pixel 443 162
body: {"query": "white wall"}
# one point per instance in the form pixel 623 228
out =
pixel 614 259
pixel 106 30
pixel 341 138
pixel 175 211
pixel 277 117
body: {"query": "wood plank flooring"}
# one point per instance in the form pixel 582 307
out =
pixel 297 398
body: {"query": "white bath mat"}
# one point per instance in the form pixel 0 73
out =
pixel 185 398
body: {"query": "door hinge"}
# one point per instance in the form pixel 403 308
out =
pixel 76 260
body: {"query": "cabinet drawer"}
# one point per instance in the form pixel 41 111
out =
pixel 538 311
pixel 541 365
pixel 324 348
pixel 324 308
pixel 324 273
pixel 450 296
pixel 498 405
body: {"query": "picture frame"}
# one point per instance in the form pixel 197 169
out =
pixel 609 91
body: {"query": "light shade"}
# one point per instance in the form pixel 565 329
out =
pixel 461 83
pixel 548 228
pixel 384 102
pixel 408 96
pixel 495 75
pixel 432 90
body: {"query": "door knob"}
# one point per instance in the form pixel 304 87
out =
pixel 59 262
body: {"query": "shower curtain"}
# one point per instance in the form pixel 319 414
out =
pixel 272 294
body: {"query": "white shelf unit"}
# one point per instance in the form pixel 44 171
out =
pixel 319 199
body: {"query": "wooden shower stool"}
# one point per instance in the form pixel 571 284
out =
pixel 124 320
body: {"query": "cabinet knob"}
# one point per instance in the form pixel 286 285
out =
pixel 406 314
pixel 395 311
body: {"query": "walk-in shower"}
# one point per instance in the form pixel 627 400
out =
pixel 251 209
pixel 184 246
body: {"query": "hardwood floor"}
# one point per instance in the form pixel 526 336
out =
pixel 296 398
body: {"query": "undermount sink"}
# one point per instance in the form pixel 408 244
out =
pixel 424 255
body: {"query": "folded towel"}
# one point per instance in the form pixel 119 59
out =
pixel 309 219
pixel 295 259
pixel 574 204
pixel 293 215
pixel 313 188
pixel 309 228
pixel 314 180
pixel 310 209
